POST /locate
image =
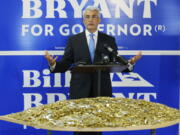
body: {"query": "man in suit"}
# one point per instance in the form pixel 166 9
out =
pixel 87 47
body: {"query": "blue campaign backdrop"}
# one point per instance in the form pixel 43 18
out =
pixel 28 27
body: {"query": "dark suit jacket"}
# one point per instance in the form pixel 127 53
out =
pixel 85 84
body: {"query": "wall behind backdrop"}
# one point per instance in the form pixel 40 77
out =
pixel 28 27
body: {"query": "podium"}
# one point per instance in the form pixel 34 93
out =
pixel 98 69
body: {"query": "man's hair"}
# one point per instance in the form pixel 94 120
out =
pixel 91 8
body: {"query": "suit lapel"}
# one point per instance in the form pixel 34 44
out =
pixel 99 47
pixel 85 48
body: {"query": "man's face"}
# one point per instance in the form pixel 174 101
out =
pixel 91 20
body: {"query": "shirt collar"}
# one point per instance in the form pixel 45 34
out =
pixel 95 33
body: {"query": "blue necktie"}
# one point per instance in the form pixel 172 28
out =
pixel 91 46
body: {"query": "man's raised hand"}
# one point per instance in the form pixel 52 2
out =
pixel 135 58
pixel 51 60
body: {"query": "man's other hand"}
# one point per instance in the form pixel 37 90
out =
pixel 50 58
pixel 135 58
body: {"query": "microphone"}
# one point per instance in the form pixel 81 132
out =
pixel 109 49
pixel 103 58
pixel 115 54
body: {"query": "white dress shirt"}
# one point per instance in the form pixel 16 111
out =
pixel 95 37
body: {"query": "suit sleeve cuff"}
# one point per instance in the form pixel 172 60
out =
pixel 130 66
pixel 52 67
